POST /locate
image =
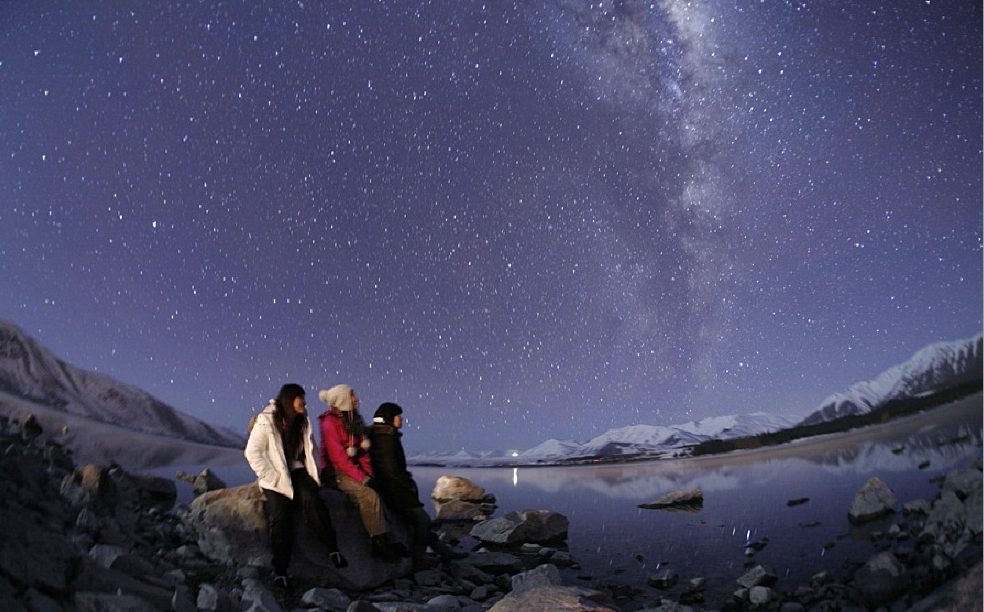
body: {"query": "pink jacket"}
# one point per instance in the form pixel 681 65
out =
pixel 334 442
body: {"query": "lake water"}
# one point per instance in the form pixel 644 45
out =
pixel 745 499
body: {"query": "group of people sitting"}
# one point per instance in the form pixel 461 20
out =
pixel 367 464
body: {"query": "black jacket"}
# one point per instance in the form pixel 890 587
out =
pixel 389 468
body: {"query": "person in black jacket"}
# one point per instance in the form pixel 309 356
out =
pixel 392 480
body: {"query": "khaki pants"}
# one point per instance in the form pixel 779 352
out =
pixel 367 501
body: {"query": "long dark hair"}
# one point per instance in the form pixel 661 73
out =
pixel 354 425
pixel 288 422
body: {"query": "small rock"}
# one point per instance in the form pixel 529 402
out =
pixel 542 575
pixel 480 593
pixel 208 598
pixel 562 558
pixel 874 500
pixel 760 595
pixel 203 482
pixel 427 578
pixel 664 579
pixel 495 562
pixel 760 575
pixel 916 506
pixel 327 599
pixel 256 598
pixel 798 501
pixel 444 602
pixel 686 499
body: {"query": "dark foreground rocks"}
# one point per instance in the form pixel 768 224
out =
pixel 98 538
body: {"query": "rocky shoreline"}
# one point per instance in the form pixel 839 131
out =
pixel 99 538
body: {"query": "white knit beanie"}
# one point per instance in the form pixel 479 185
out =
pixel 339 396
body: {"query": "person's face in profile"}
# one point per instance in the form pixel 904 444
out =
pixel 300 405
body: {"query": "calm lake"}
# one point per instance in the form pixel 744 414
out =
pixel 745 499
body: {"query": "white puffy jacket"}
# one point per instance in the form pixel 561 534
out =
pixel 265 454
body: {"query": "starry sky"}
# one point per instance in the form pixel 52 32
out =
pixel 519 220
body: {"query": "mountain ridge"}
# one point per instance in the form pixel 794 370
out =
pixel 937 367
pixel 30 372
pixel 932 368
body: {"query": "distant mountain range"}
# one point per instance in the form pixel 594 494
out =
pixel 32 379
pixel 31 376
pixel 937 367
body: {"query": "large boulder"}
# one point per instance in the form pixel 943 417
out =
pixel 881 580
pixel 459 510
pixel 873 501
pixel 541 588
pixel 538 526
pixel 231 528
pixel 455 488
pixel 459 499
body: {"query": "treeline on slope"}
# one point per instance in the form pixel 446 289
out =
pixel 883 413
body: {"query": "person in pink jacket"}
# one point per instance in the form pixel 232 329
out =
pixel 345 449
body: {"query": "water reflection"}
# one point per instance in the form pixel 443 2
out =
pixel 940 445
pixel 785 507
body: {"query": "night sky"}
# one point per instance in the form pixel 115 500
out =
pixel 520 221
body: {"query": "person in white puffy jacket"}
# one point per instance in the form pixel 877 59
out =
pixel 280 451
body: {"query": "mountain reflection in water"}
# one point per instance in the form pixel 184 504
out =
pixel 746 500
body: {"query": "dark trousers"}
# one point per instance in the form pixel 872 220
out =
pixel 420 525
pixel 282 515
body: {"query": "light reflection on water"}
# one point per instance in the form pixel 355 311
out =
pixel 745 500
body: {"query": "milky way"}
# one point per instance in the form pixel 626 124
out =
pixel 519 221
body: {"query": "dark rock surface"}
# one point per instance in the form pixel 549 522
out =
pixel 99 538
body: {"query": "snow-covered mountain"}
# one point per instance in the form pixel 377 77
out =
pixel 935 368
pixel 30 374
pixel 637 439
pixel 656 438
pixel 632 440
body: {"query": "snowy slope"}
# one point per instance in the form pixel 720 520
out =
pixel 934 368
pixel 551 449
pixel 29 372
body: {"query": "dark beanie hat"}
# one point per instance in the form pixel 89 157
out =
pixel 386 412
